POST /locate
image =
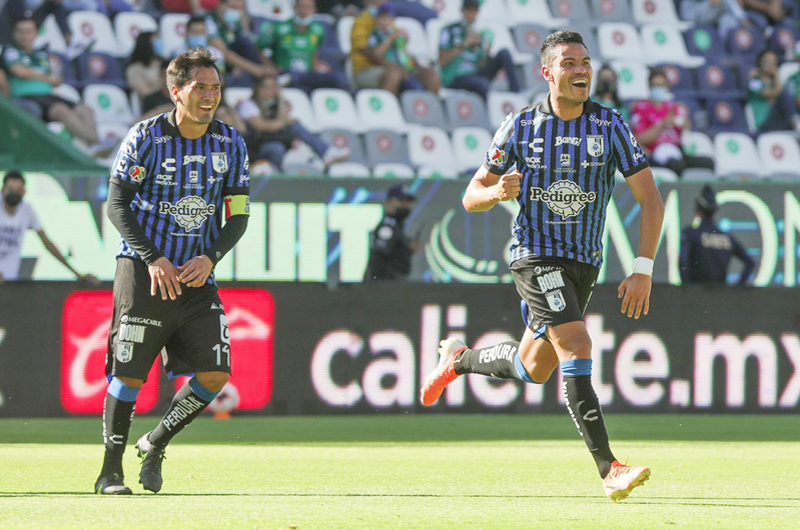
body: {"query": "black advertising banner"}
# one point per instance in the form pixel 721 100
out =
pixel 318 230
pixel 303 348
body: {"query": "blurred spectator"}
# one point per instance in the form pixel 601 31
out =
pixel 159 101
pixel 16 217
pixel 706 251
pixel 272 130
pixel 196 7
pixel 773 107
pixel 5 88
pixel 793 86
pixel 226 32
pixel 370 70
pixel 390 249
pixel 109 8
pixel 293 46
pixel 30 79
pixel 389 43
pixel 657 124
pixel 765 12
pixel 727 15
pixel 465 55
pixel 605 91
pixel 36 9
pixel 227 114
pixel 197 37
pixel 143 73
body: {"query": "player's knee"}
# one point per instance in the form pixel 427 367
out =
pixel 130 381
pixel 213 381
pixel 540 374
pixel 576 348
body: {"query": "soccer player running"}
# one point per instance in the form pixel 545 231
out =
pixel 567 149
pixel 174 176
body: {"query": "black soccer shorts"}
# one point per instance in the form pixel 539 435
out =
pixel 556 290
pixel 192 330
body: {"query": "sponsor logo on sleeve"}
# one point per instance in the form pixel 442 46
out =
pixel 497 157
pixel 136 173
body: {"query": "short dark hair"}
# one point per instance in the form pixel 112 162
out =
pixel 655 72
pixel 554 39
pixel 196 19
pixel 25 19
pixel 13 174
pixel 185 66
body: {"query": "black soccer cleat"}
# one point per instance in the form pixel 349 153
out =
pixel 152 456
pixel 111 484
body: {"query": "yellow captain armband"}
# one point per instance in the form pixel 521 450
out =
pixel 237 205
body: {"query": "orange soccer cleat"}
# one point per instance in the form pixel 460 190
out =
pixel 445 372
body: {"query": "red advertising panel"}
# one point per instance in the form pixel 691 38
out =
pixel 85 323
pixel 84 342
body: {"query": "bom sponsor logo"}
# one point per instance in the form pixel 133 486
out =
pixel 86 320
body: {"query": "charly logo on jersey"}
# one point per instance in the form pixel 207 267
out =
pixel 595 144
pixel 168 165
pixel 569 140
pixel 219 161
pixel 497 157
pixel 189 212
pixel 535 145
pixel 564 197
pixel 137 173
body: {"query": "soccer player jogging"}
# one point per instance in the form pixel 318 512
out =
pixel 174 178
pixel 567 149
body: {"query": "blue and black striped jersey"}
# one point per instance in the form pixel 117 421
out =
pixel 180 183
pixel 568 172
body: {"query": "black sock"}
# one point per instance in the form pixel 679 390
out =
pixel 117 417
pixel 500 361
pixel 185 407
pixel 585 410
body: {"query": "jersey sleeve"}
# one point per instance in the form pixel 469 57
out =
pixel 237 182
pixel 128 169
pixel 628 155
pixel 499 158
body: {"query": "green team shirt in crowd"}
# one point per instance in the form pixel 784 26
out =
pixel 38 61
pixel 758 104
pixel 396 53
pixel 468 61
pixel 218 29
pixel 292 50
pixel 793 85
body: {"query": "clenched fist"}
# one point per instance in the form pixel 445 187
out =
pixel 507 187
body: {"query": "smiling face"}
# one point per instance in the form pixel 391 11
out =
pixel 198 99
pixel 569 73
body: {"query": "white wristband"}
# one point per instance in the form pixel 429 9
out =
pixel 643 266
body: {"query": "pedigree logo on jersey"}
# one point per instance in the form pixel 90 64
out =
pixel 497 157
pixel 564 197
pixel 85 322
pixel 189 212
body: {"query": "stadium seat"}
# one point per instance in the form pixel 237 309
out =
pixel 528 38
pixel 534 12
pixel 434 30
pixel 703 40
pixel 62 67
pixel 430 147
pixel 695 111
pixel 136 104
pixel 274 9
pixel 448 10
pixel 423 108
pixel 501 38
pixel 492 12
pixel 300 108
pixel 127 27
pixel 109 103
pixel 501 104
pixel 725 115
pixel 664 43
pixel 533 78
pixel 680 79
pixel 347 140
pixel 343 29
pixel 656 11
pixel 335 108
pixel 418 46
pixel 470 145
pixel 618 40
pixel 718 81
pixel 787 70
pixel 94 27
pixel 780 155
pixel 173 32
pixel 235 95
pixel 736 156
pixel 612 11
pixel 465 109
pixel 575 11
pixel 379 109
pixel 398 171
pixel 695 143
pixel 784 39
pixel 349 170
pixel 385 147
pixel 632 78
pixel 589 35
pixel 68 92
pixel 437 172
pixel 50 36
pixel 112 130
pixel 745 41
pixel 662 174
pixel 95 67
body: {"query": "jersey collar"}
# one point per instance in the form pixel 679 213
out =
pixel 588 107
pixel 171 126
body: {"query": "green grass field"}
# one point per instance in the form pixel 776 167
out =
pixel 425 472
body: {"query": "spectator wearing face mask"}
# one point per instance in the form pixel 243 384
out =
pixel 143 73
pixel 773 106
pixel 197 37
pixel 227 30
pixel 391 249
pixel 605 91
pixel 293 46
pixel 657 125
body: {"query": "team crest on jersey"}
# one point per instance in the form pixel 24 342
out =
pixel 124 352
pixel 556 301
pixel 497 157
pixel 595 144
pixel 220 162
